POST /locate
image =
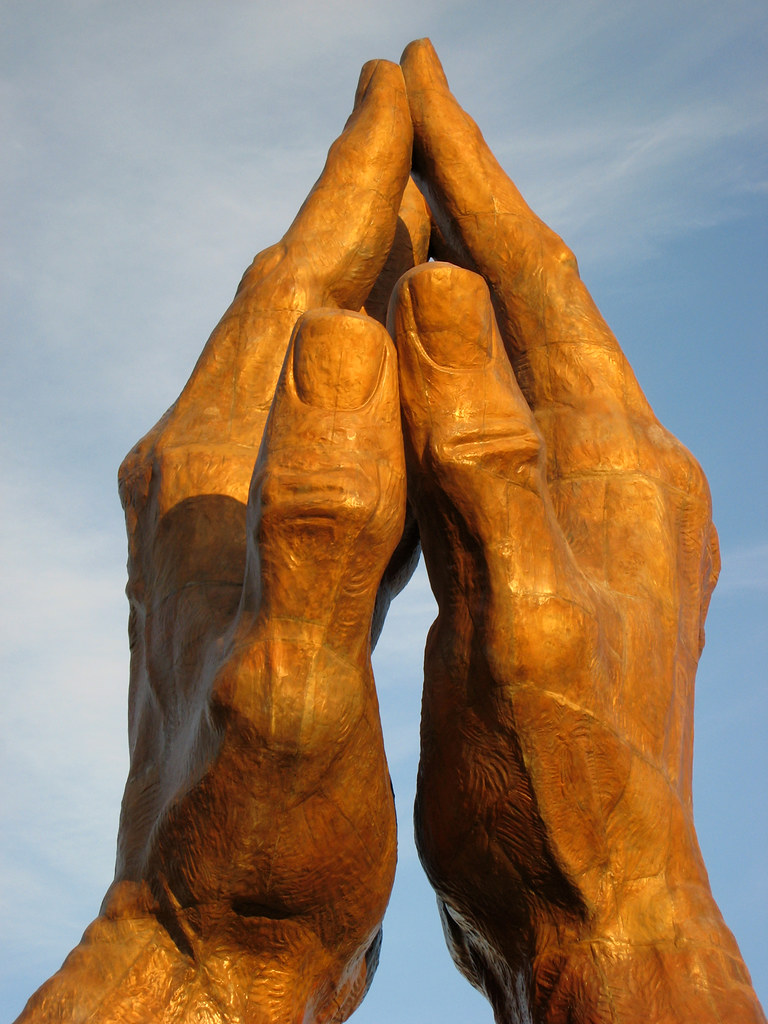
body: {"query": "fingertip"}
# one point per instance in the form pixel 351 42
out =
pixel 447 311
pixel 421 65
pixel 410 53
pixel 338 357
pixel 420 52
pixel 376 75
pixel 465 421
pixel 345 227
pixel 366 74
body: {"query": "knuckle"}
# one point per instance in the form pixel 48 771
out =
pixel 668 459
pixel 343 491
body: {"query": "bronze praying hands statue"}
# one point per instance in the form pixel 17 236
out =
pixel 569 541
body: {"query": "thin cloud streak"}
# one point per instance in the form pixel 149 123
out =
pixel 744 570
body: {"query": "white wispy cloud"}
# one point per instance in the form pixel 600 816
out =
pixel 63 760
pixel 744 569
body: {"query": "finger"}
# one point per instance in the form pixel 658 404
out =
pixel 345 228
pixel 498 561
pixel 409 248
pixel 327 499
pixel 560 346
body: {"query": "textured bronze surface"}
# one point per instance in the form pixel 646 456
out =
pixel 570 545
pixel 257 845
pixel 569 542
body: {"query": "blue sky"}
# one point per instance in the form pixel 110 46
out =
pixel 149 151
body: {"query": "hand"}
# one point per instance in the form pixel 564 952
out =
pixel 570 545
pixel 257 838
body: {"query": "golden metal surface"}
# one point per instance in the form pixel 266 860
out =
pixel 570 545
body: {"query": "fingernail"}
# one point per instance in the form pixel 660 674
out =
pixel 337 358
pixel 452 314
pixel 366 74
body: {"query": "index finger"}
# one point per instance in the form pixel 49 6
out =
pixel 610 465
pixel 560 346
pixel 330 256
pixel 346 225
